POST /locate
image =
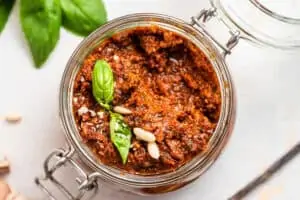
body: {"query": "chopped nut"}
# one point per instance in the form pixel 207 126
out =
pixel 4 166
pixel 122 110
pixel 100 114
pixel 82 110
pixel 116 58
pixel 141 134
pixel 13 118
pixel 75 99
pixel 174 60
pixel 153 150
pixel 210 131
pixel 82 79
pixel 93 113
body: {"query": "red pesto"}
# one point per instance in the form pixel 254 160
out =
pixel 169 85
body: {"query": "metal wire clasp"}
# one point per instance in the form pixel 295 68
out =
pixel 203 17
pixel 61 157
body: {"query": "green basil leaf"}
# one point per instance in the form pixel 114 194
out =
pixel 83 16
pixel 5 9
pixel 120 135
pixel 41 21
pixel 103 83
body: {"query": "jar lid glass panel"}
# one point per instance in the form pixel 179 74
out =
pixel 274 23
pixel 282 9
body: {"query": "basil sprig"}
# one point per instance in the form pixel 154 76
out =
pixel 103 90
pixel 41 21
pixel 103 83
pixel 83 16
pixel 120 135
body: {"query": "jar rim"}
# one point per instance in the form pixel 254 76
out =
pixel 194 167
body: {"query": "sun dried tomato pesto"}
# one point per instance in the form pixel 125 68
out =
pixel 170 87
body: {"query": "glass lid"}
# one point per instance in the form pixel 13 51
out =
pixel 286 10
pixel 274 23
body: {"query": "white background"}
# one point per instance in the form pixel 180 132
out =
pixel 268 116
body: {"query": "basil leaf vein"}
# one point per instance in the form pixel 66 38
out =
pixel 83 16
pixel 5 9
pixel 41 21
pixel 120 135
pixel 103 83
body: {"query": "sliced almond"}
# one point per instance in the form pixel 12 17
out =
pixel 153 150
pixel 141 134
pixel 122 110
pixel 4 166
pixel 13 118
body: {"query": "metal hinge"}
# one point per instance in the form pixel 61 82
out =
pixel 61 157
pixel 206 15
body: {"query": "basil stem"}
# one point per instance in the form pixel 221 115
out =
pixel 103 83
pixel 120 135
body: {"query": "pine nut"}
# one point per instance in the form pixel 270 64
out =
pixel 141 134
pixel 153 150
pixel 4 166
pixel 122 110
pixel 13 118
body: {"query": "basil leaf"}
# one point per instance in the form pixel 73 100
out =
pixel 120 135
pixel 5 9
pixel 41 21
pixel 83 16
pixel 103 83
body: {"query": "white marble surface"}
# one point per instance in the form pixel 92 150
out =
pixel 267 84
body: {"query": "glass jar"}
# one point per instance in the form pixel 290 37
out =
pixel 77 154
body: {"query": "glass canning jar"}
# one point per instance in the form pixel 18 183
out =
pixel 235 21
